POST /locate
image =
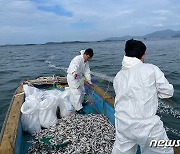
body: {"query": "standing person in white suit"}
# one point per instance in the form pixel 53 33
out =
pixel 137 87
pixel 79 71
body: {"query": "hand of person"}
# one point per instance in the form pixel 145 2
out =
pixel 90 84
pixel 75 75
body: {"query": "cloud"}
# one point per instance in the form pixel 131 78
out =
pixel 158 25
pixel 38 21
pixel 161 12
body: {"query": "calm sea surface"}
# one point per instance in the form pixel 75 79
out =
pixel 29 61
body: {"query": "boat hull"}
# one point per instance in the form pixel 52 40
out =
pixel 14 140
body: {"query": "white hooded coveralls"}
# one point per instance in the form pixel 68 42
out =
pixel 77 85
pixel 137 87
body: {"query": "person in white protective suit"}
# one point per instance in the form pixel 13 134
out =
pixel 79 71
pixel 137 87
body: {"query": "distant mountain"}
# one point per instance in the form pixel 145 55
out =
pixel 49 43
pixel 176 36
pixel 168 33
pixel 117 38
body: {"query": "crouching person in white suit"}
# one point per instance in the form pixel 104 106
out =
pixel 137 86
pixel 79 71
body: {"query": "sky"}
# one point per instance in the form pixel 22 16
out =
pixel 41 21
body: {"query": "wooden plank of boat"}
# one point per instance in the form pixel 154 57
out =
pixel 47 80
pixel 102 94
pixel 9 130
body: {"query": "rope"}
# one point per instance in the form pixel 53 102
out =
pixel 103 76
pixel 19 94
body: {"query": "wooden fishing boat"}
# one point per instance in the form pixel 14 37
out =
pixel 12 139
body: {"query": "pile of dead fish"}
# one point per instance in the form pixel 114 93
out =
pixel 76 133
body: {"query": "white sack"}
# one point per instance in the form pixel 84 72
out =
pixel 47 107
pixel 33 91
pixel 39 108
pixel 29 117
pixel 52 93
pixel 64 103
pixel 29 90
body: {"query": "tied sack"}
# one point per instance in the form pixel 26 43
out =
pixel 47 108
pixel 64 103
pixel 29 118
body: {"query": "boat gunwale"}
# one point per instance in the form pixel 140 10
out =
pixel 6 117
pixel 104 95
pixel 7 122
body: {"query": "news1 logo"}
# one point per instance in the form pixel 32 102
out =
pixel 165 143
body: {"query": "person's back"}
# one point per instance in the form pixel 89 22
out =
pixel 137 87
pixel 140 88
